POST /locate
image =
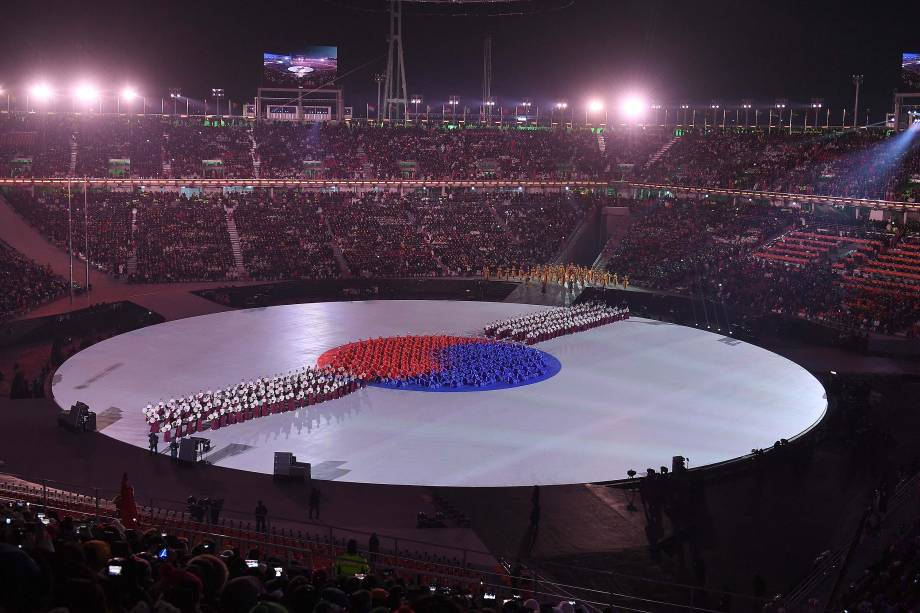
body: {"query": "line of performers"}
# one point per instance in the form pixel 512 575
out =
pixel 567 275
pixel 552 323
pixel 247 400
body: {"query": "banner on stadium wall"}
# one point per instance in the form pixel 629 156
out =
pixel 21 161
pixel 407 168
pixel 312 169
pixel 282 112
pixel 119 166
pixel 212 168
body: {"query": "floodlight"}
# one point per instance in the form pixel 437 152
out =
pixel 633 106
pixel 85 92
pixel 595 105
pixel 40 91
pixel 129 93
pixel 562 105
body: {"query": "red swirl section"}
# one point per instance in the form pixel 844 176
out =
pixel 395 357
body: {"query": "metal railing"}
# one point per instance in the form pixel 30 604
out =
pixel 101 499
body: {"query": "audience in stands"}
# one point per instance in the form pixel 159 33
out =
pixel 857 163
pixel 760 259
pixel 25 284
pixel 109 222
pixel 286 237
pixel 65 561
pixel 210 149
pixel 182 239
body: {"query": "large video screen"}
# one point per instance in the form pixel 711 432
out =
pixel 910 71
pixel 310 67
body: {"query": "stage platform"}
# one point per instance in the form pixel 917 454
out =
pixel 629 395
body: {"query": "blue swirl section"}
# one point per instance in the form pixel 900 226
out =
pixel 480 367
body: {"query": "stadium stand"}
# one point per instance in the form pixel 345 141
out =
pixel 182 239
pixel 25 284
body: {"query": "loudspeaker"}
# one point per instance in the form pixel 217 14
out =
pixel 188 450
pixel 678 464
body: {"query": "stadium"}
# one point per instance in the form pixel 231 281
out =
pixel 309 342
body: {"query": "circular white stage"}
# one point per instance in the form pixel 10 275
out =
pixel 629 395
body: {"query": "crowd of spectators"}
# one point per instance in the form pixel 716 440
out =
pixel 287 150
pixel 216 149
pixel 286 234
pixel 541 224
pixel 856 163
pixel 36 145
pixel 469 232
pixel 286 237
pixel 890 583
pixel 74 563
pixel 109 222
pixel 378 236
pixel 760 259
pixel 135 139
pixel 483 153
pixel 673 243
pixel 465 232
pixel 25 284
pixel 182 238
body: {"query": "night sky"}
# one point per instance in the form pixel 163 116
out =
pixel 673 51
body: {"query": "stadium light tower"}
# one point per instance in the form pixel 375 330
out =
pixel 379 78
pixel 487 106
pixel 217 93
pixel 715 106
pixel 525 104
pixel 816 104
pixel 595 106
pixel 454 101
pixel 746 105
pixel 41 92
pixel 128 94
pixel 561 107
pixel 779 105
pixel 175 93
pixel 3 91
pixel 86 94
pixel 634 106
pixel 857 81
pixel 416 100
